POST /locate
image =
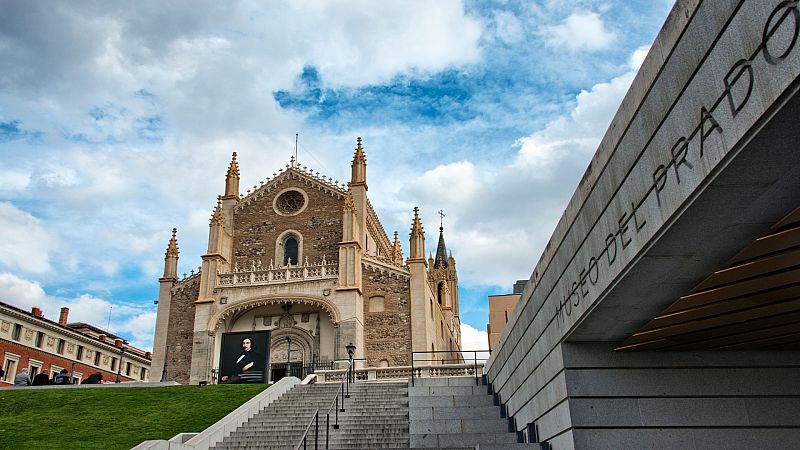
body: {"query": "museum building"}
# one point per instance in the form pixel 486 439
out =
pixel 30 340
pixel 302 267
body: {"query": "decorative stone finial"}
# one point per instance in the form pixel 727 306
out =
pixel 232 179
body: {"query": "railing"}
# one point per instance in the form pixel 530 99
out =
pixel 456 363
pixel 259 275
pixel 315 421
pixel 403 372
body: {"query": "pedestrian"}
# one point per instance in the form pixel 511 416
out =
pixel 22 378
pixel 62 378
pixel 40 380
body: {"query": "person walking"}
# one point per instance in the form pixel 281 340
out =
pixel 22 378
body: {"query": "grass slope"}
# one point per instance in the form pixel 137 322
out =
pixel 114 418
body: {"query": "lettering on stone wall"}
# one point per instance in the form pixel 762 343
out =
pixel 686 151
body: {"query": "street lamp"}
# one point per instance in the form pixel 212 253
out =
pixel 119 367
pixel 351 350
pixel 289 357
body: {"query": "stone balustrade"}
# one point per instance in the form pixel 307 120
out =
pixel 276 276
pixel 400 372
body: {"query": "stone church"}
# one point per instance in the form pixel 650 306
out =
pixel 308 260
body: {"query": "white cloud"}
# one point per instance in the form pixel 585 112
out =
pixel 449 185
pixel 137 322
pixel 474 339
pixel 27 243
pixel 579 132
pixel 507 27
pixel 581 31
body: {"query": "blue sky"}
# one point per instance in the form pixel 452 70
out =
pixel 117 121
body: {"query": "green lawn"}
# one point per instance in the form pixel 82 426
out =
pixel 112 418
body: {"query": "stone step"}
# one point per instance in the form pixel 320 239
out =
pixel 446 412
pixel 453 400
pixel 460 439
pixel 458 426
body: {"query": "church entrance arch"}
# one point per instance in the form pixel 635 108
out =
pixel 303 332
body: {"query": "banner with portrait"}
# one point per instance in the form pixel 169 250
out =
pixel 244 357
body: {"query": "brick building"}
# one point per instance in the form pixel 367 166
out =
pixel 308 260
pixel 30 340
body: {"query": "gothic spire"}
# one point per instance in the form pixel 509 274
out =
pixel 232 179
pixel 441 252
pixel 171 258
pixel 172 247
pixel 218 218
pixel 416 249
pixel 416 224
pixel 359 166
pixel 397 252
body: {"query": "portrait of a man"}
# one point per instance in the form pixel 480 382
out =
pixel 243 358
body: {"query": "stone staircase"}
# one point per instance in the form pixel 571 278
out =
pixel 444 413
pixel 455 413
pixel 282 423
pixel 376 416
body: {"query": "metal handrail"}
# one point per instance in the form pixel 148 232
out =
pixel 461 357
pixel 315 420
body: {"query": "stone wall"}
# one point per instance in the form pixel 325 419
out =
pixel 257 225
pixel 387 333
pixel 180 330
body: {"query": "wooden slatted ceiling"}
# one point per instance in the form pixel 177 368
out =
pixel 753 303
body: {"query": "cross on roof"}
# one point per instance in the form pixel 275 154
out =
pixel 441 218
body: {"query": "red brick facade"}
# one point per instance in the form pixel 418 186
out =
pixel 26 354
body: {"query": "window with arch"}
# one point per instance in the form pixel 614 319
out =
pixel 290 250
pixel 440 292
pixel 383 363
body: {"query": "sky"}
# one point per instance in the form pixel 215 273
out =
pixel 118 120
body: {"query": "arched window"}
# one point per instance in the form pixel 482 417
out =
pixel 383 363
pixel 290 248
pixel 439 292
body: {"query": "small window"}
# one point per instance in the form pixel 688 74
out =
pixel 290 251
pixel 439 292
pixel 113 364
pixel 79 353
pixel 17 331
pixel 96 358
pixel 60 348
pixel 128 369
pixel 39 339
pixel 142 373
pixel 383 363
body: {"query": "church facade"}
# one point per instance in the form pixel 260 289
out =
pixel 309 261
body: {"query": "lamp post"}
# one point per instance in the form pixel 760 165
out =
pixel 119 367
pixel 289 357
pixel 351 350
